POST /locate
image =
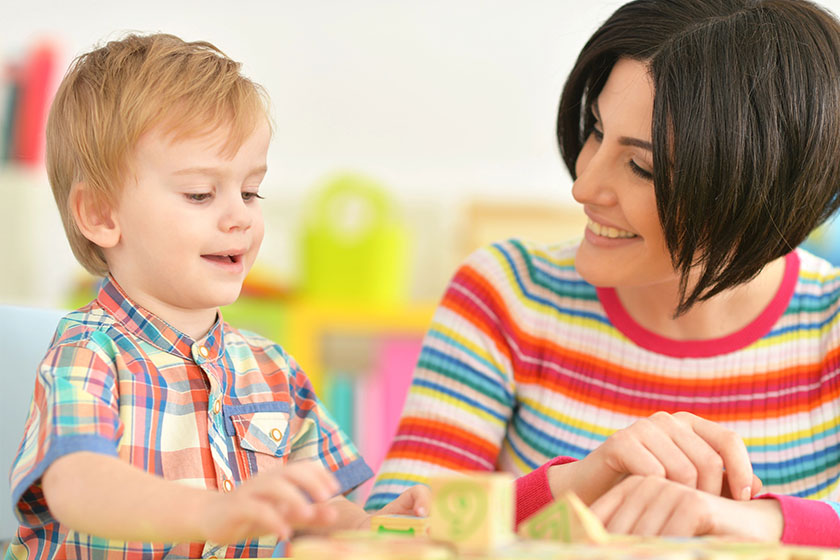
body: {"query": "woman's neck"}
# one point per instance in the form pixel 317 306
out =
pixel 652 306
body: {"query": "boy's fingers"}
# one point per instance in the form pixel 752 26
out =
pixel 283 495
pixel 320 484
pixel 323 514
pixel 255 518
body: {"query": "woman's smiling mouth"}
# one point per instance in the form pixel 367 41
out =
pixel 606 231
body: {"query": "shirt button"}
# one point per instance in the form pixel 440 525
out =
pixel 227 485
pixel 203 351
pixel 217 406
pixel 276 435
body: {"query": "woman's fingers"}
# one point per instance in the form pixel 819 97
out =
pixel 611 504
pixel 684 448
pixel 702 466
pixel 680 452
pixel 730 447
pixel 649 506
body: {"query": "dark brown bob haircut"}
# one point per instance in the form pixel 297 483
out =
pixel 745 130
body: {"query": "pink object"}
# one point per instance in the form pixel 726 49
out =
pixel 397 359
pixel 35 84
pixel 369 415
pixel 380 396
pixel 758 328
pixel 532 490
pixel 807 522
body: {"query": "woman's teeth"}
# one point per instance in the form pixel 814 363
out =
pixel 610 232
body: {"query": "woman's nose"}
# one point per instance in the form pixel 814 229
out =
pixel 595 182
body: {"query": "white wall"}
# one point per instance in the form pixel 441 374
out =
pixel 442 100
pixel 437 97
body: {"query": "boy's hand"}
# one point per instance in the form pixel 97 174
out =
pixel 272 503
pixel 651 506
pixel 414 501
pixel 681 447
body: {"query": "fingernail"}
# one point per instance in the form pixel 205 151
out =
pixel 746 493
pixel 421 511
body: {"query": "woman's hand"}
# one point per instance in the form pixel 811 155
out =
pixel 681 447
pixel 654 506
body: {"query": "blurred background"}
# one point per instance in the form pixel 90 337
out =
pixel 407 134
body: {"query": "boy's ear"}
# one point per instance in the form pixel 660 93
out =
pixel 96 221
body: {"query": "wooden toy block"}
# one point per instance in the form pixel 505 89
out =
pixel 811 553
pixel 346 545
pixel 474 511
pixel 566 519
pixel 725 548
pixel 400 525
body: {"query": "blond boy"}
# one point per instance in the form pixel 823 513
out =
pixel 157 429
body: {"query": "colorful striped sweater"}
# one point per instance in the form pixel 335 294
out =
pixel 525 361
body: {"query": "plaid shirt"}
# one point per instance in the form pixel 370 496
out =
pixel 211 414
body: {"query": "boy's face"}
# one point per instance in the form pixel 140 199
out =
pixel 190 224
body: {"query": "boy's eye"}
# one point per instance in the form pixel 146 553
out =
pixel 197 197
pixel 247 196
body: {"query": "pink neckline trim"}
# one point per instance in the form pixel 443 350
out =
pixel 708 347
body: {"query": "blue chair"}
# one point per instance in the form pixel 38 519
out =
pixel 25 334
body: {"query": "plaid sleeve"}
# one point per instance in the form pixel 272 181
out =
pixel 314 434
pixel 74 408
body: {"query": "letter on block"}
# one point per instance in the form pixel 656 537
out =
pixel 402 525
pixel 474 512
pixel 566 519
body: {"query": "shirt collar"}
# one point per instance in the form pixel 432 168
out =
pixel 149 327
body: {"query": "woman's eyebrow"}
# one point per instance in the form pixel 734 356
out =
pixel 624 140
pixel 630 141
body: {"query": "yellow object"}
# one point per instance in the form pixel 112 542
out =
pixel 355 247
pixel 473 512
pixel 309 321
pixel 566 519
pixel 400 525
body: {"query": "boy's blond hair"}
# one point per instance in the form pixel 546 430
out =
pixel 114 94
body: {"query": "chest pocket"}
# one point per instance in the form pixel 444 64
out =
pixel 260 427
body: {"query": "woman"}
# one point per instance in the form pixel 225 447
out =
pixel 684 342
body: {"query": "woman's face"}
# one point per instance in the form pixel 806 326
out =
pixel 623 243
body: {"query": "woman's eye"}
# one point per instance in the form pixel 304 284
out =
pixel 197 197
pixel 597 134
pixel 643 173
pixel 247 196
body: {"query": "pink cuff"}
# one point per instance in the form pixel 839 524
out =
pixel 533 491
pixel 808 522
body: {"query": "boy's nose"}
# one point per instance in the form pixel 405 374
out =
pixel 237 215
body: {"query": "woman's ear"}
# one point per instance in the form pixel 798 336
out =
pixel 96 220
